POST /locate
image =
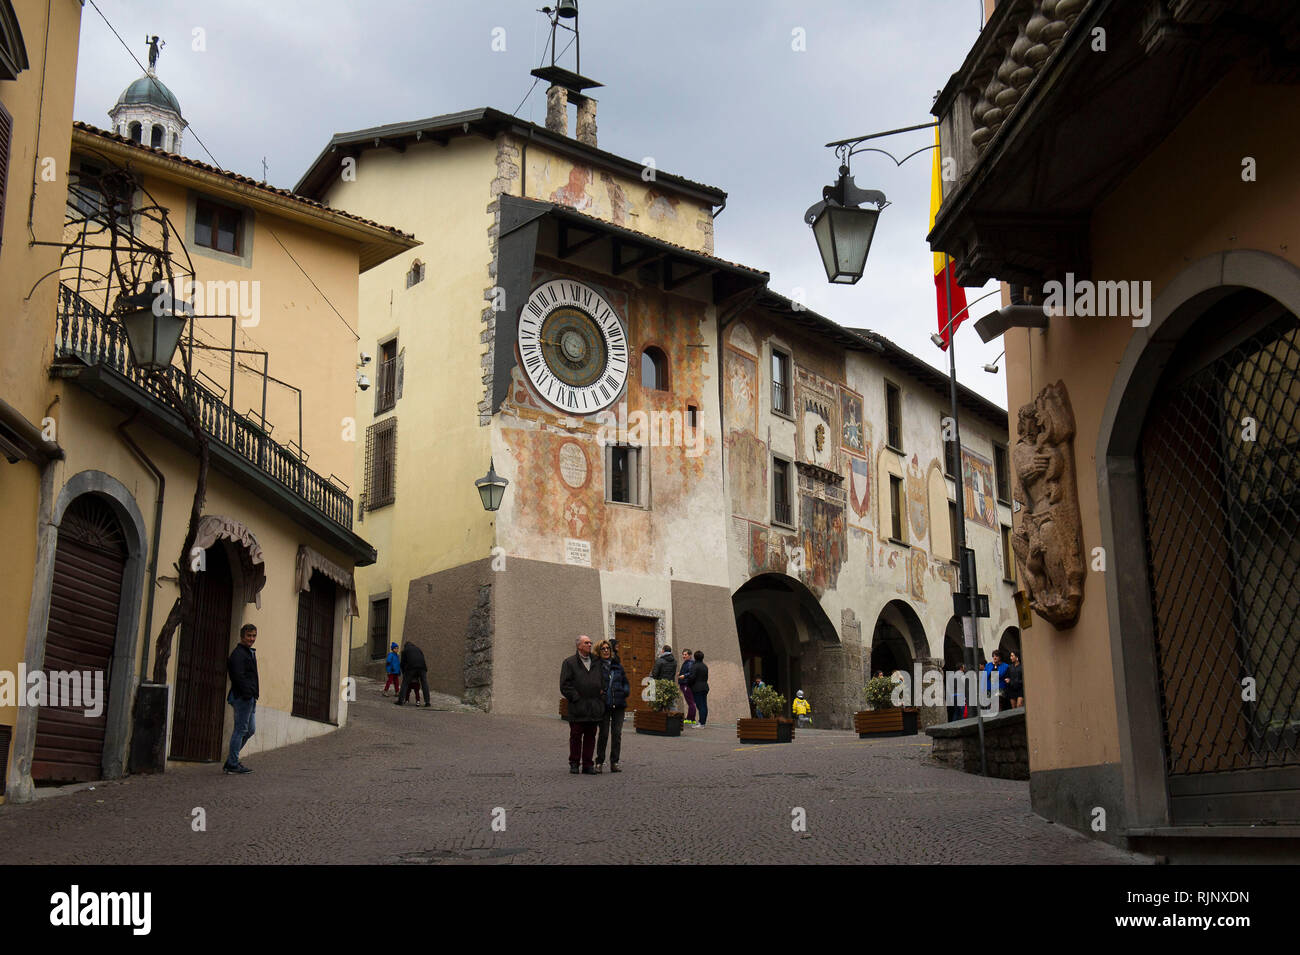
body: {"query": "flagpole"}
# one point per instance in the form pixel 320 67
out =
pixel 970 622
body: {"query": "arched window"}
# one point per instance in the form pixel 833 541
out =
pixel 135 134
pixel 156 137
pixel 416 273
pixel 654 369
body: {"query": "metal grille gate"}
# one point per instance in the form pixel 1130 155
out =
pixel 1220 468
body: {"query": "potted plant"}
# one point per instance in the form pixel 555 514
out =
pixel 882 717
pixel 771 729
pixel 660 720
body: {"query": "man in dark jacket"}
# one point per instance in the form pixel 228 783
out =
pixel 665 667
pixel 581 684
pixel 414 670
pixel 244 689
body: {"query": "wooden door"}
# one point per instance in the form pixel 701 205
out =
pixel 201 680
pixel 314 657
pixel 637 651
pixel 89 561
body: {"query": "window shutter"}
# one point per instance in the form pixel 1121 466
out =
pixel 6 141
pixel 401 372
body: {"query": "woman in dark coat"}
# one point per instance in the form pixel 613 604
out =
pixel 700 686
pixel 616 688
pixel 1016 681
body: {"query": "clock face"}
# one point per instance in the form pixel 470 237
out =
pixel 573 347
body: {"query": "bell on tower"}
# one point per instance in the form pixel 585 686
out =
pixel 568 86
pixel 147 112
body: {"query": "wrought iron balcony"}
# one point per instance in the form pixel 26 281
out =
pixel 86 334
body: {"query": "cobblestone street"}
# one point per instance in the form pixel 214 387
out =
pixel 416 785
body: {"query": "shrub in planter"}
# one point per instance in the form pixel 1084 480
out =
pixel 774 726
pixel 884 718
pixel 879 693
pixel 661 720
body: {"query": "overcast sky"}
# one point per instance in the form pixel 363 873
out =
pixel 714 90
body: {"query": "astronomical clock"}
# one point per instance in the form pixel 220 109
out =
pixel 573 347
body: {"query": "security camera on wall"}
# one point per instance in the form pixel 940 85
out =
pixel 365 359
pixel 362 382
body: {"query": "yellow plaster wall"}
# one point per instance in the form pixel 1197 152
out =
pixel 441 195
pixel 311 345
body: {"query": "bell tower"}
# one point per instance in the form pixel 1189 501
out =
pixel 568 86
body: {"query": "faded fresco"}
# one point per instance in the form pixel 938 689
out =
pixel 918 499
pixel 740 383
pixel 860 491
pixel 770 551
pixel 558 490
pixel 817 408
pixel 977 488
pixel 917 566
pixel 747 475
pixel 854 431
pixel 824 536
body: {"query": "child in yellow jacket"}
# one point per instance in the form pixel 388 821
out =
pixel 802 709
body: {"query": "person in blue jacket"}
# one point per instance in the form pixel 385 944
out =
pixel 996 685
pixel 616 689
pixel 393 667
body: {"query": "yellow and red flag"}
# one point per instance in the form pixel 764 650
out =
pixel 945 275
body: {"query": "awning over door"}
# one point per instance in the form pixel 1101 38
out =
pixel 214 527
pixel 311 560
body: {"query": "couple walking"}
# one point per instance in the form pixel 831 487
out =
pixel 692 680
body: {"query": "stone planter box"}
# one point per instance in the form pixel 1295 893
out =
pixel 657 722
pixel 895 721
pixel 765 730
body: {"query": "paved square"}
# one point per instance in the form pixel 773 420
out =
pixel 421 785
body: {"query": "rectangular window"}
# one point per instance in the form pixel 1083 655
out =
pixel 381 464
pixel 1002 473
pixel 780 382
pixel 953 517
pixel 897 508
pixel 379 629
pixel 894 414
pixel 781 492
pixel 1008 556
pixel 692 417
pixel 623 474
pixel 386 375
pixel 218 227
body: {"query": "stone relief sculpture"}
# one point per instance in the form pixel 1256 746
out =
pixel 1048 539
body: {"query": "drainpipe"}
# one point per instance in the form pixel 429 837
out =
pixel 157 534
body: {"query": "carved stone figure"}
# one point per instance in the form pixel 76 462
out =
pixel 1048 540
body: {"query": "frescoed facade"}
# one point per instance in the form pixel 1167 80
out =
pixel 642 459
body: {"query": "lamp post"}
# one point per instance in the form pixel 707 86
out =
pixel 840 239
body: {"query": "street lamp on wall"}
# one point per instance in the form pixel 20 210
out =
pixel 154 323
pixel 491 488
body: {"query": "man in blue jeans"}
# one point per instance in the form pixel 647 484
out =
pixel 242 696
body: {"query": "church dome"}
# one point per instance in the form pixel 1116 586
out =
pixel 149 91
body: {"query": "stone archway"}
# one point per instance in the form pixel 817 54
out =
pixel 787 639
pixel 899 643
